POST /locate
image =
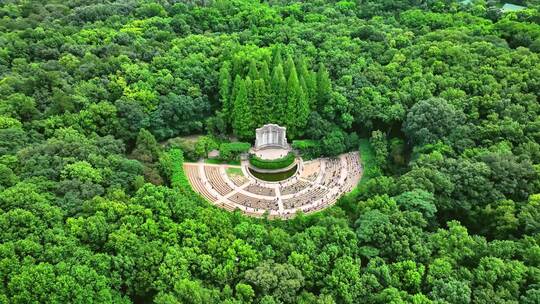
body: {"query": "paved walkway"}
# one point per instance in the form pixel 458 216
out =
pixel 317 194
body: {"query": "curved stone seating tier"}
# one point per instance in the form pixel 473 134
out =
pixel 311 169
pixel 217 182
pixel 294 188
pixel 192 173
pixel 253 188
pixel 353 166
pixel 238 180
pixel 227 206
pixel 252 202
pixel 317 185
pixel 295 202
pixel 332 173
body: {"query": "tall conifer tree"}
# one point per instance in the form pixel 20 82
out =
pixel 279 95
pixel 276 57
pixel 237 67
pixel 253 73
pixel 311 84
pixel 264 73
pixel 289 66
pixel 234 92
pixel 308 80
pixel 249 89
pixel 297 106
pixel 324 86
pixel 242 119
pixel 267 58
pixel 304 87
pixel 262 105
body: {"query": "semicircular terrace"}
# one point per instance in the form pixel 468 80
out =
pixel 316 185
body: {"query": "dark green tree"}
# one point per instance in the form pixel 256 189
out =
pixel 278 88
pixel 281 281
pixel 264 73
pixel 147 148
pixel 380 147
pixel 242 119
pixel 288 66
pixel 324 87
pixel 308 79
pixel 297 112
pixel 262 104
pixel 431 120
pixel 277 59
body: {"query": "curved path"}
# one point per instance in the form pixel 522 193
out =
pixel 316 185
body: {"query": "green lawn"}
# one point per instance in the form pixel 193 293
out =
pixel 234 171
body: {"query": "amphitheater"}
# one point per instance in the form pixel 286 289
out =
pixel 315 185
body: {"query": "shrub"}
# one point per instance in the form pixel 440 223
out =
pixel 231 151
pixel 204 145
pixel 333 143
pixel 187 146
pixel 308 148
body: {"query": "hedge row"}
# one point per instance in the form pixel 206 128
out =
pixel 273 164
pixel 172 164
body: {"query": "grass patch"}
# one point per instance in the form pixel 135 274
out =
pixel 234 171
pixel 367 157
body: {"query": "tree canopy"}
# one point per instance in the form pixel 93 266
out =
pixel 101 101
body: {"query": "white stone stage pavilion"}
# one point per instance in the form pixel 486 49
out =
pixel 271 135
pixel 271 142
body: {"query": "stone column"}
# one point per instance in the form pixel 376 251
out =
pixel 257 138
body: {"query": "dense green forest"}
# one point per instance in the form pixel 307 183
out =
pixel 443 94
